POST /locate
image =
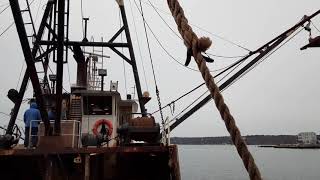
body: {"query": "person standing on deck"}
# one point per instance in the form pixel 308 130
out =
pixel 52 114
pixel 31 114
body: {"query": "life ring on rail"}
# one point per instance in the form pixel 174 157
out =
pixel 101 122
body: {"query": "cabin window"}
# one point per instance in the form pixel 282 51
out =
pixel 97 105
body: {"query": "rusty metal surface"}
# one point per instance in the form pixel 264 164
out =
pixel 56 150
pixel 118 163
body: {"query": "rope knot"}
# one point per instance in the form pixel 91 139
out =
pixel 204 43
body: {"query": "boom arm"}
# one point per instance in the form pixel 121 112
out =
pixel 262 52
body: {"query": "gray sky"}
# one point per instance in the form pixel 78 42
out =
pixel 279 96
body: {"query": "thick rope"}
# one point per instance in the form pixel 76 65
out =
pixel 198 45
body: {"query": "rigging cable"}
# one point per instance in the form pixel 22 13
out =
pixel 20 74
pixel 167 52
pixel 188 106
pixel 123 63
pixel 226 57
pixel 7 29
pixel 82 17
pixel 69 74
pixel 160 44
pixel 315 26
pixel 152 66
pixel 267 56
pixel 235 66
pixel 36 18
pixel 13 21
pixel 215 35
pixel 194 102
pixel 177 99
pixel 6 114
pixel 176 34
pixel 4 8
pixel 138 42
pixel 223 38
pixel 165 21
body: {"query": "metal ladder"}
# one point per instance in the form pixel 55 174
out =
pixel 66 26
pixel 31 34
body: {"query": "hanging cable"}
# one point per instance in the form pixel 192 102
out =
pixel 160 44
pixel 165 50
pixel 268 55
pixel 177 99
pixel 6 114
pixel 138 42
pixel 20 74
pixel 176 34
pixel 187 107
pixel 82 18
pixel 222 38
pixel 38 10
pixel 173 119
pixel 3 10
pixel 123 63
pixel 152 66
pixel 69 79
pixel 13 21
pixel 7 29
pixel 234 66
pixel 315 26
pixel 226 57
pixel 165 21
pixel 213 34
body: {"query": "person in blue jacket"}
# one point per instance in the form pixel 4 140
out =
pixel 52 114
pixel 31 114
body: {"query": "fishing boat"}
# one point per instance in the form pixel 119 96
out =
pixel 99 132
pixel 96 134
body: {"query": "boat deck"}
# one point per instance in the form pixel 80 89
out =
pixel 21 151
pixel 105 163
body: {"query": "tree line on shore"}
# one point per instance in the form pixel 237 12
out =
pixel 250 140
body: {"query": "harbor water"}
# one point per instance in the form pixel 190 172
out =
pixel 221 162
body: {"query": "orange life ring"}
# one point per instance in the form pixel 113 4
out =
pixel 99 123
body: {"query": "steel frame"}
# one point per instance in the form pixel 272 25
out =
pixel 56 43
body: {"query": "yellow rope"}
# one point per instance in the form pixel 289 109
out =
pixel 198 45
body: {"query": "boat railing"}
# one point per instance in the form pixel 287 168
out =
pixel 76 132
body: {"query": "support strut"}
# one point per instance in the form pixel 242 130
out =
pixel 132 57
pixel 29 58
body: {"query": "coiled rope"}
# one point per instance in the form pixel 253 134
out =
pixel 198 45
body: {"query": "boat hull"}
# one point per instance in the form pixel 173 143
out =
pixel 107 163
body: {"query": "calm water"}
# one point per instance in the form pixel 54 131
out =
pixel 215 162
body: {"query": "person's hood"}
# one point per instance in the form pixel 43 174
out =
pixel 34 105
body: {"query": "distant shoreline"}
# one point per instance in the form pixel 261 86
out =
pixel 226 140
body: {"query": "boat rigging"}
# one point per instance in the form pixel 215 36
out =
pixel 113 121
pixel 261 53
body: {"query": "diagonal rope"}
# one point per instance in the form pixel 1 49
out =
pixel 202 29
pixel 198 45
pixel 139 47
pixel 152 66
pixel 4 8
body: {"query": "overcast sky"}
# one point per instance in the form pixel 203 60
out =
pixel 280 96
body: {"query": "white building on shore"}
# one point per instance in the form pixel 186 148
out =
pixel 307 138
